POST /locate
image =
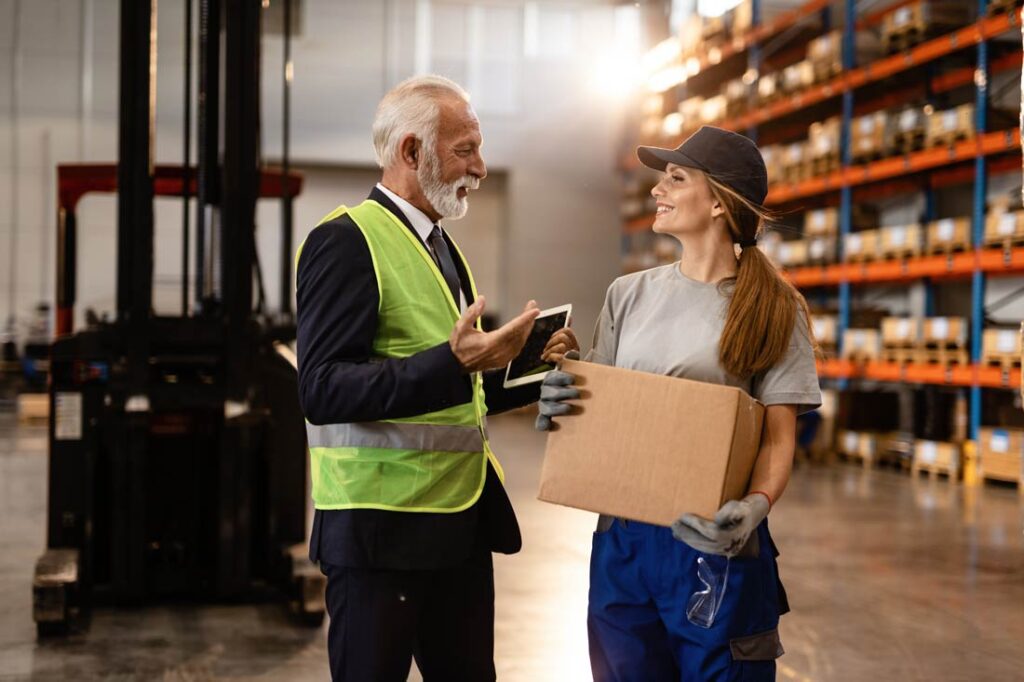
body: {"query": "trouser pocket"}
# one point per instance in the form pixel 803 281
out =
pixel 761 646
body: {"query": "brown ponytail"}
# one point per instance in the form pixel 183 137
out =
pixel 763 307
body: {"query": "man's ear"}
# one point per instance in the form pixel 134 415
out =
pixel 409 151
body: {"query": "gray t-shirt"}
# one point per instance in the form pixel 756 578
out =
pixel 663 322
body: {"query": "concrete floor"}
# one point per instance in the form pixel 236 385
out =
pixel 889 579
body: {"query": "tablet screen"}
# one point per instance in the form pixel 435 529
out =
pixel 529 362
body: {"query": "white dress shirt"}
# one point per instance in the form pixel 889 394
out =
pixel 422 224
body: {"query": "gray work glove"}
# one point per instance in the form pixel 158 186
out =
pixel 730 530
pixel 556 388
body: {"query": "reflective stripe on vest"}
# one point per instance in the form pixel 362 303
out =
pixel 396 436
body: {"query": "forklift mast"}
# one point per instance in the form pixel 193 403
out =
pixel 178 461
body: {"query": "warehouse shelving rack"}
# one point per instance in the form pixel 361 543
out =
pixel 967 162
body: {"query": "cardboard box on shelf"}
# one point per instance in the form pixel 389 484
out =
pixel 859 246
pixel 867 136
pixel 792 253
pixel 948 235
pixel 821 222
pixel 769 87
pixel 901 332
pixel 797 77
pixel 949 126
pixel 900 240
pixel 1004 227
pixel 737 97
pixel 821 250
pixel 712 109
pixel 909 24
pixel 1001 347
pixel 948 331
pixel 905 130
pixel 649 447
pixel 826 52
pixel 861 345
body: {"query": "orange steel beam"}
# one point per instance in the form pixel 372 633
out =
pixel 943 375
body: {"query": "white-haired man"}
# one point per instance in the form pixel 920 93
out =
pixel 393 369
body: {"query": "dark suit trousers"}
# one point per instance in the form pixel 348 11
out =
pixel 381 619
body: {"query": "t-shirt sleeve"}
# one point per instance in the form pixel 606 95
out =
pixel 602 350
pixel 794 380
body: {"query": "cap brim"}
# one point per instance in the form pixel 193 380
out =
pixel 658 157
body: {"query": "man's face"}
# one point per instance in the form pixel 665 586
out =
pixel 456 166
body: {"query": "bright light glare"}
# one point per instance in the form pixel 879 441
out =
pixel 715 8
pixel 617 71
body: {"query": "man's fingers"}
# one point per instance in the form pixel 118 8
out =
pixel 531 305
pixel 471 315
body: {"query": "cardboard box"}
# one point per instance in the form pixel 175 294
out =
pixel 861 245
pixel 901 332
pixel 949 234
pixel 792 253
pixel 649 447
pixel 1001 453
pixel 900 240
pixel 945 330
pixel 1004 226
pixel 821 250
pixel 823 222
pixel 824 327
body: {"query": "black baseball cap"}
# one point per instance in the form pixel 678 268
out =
pixel 728 157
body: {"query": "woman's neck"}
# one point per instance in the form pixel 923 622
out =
pixel 707 258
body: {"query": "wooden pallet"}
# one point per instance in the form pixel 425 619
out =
pixel 907 142
pixel 948 139
pixel 895 253
pixel 867 156
pixel 1005 243
pixel 859 357
pixel 823 165
pixel 946 248
pixel 1007 361
pixel 901 356
pixel 934 470
pixel 944 357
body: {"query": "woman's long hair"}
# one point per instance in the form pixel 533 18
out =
pixel 763 306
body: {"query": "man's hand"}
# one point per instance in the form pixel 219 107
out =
pixel 729 532
pixel 561 342
pixel 478 351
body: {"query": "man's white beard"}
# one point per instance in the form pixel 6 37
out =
pixel 444 196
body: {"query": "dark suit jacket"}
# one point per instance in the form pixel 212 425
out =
pixel 337 297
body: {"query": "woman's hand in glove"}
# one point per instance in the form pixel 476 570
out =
pixel 729 532
pixel 556 388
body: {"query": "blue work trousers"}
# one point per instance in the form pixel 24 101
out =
pixel 641 580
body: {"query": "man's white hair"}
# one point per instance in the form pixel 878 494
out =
pixel 411 107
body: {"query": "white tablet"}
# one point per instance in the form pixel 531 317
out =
pixel 528 367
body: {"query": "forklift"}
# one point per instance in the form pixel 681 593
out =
pixel 177 446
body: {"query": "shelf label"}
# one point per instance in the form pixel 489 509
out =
pixel 903 328
pixel 68 416
pixel 1006 341
pixel 816 248
pixel 940 328
pixel 908 120
pixel 898 236
pixel 927 452
pixel 1007 224
pixel 853 243
pixel 999 441
pixel 945 229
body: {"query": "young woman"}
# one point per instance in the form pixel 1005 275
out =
pixel 722 314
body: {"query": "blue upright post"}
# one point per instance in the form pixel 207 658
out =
pixel 754 61
pixel 846 193
pixel 978 222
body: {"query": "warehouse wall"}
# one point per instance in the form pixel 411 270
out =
pixel 529 66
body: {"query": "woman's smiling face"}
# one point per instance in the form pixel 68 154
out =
pixel 684 199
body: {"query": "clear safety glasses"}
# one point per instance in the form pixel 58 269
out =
pixel 713 573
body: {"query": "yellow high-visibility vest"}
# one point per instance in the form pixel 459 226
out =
pixel 434 462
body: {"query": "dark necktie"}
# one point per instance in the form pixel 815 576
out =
pixel 444 261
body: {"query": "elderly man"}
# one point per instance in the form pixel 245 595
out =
pixel 393 371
